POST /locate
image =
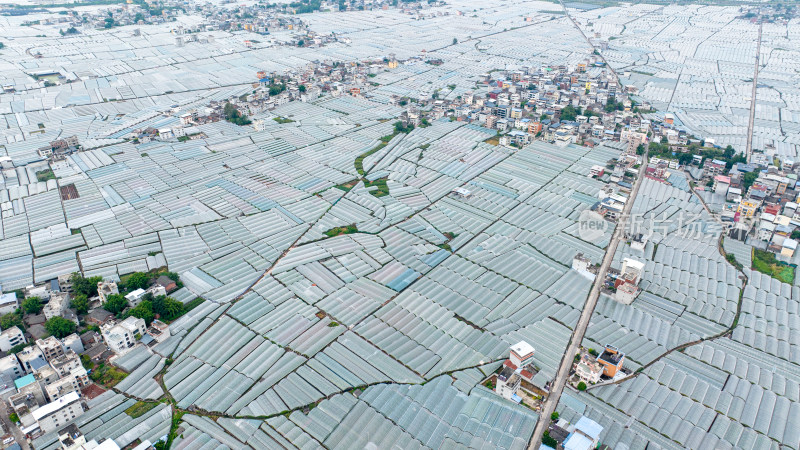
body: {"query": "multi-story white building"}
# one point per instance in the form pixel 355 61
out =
pixel 55 307
pixel 121 337
pixel 65 282
pixel 508 382
pixel 31 358
pixel 29 397
pixel 135 297
pixel 53 415
pixel 589 371
pixel 51 347
pixel 11 337
pixel 61 387
pixel 521 354
pixel 69 366
pixel 106 288
pixel 72 342
pixel 8 303
pixel 71 438
pixel 45 375
pixel 11 368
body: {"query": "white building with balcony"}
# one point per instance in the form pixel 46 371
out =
pixel 121 337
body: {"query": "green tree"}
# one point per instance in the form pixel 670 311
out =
pixel 554 416
pixel 81 304
pixel 167 308
pixel 13 417
pixel 32 305
pixel 549 440
pixel 400 128
pixel 729 152
pixel 59 327
pixel 685 159
pixel 734 160
pixel 657 149
pixel 144 311
pixel 115 303
pixel 748 179
pixel 234 116
pixel 138 17
pixel 18 348
pixel 173 276
pixel 138 280
pixel 275 89
pixel 581 386
pixel 301 88
pixel 85 286
pixel 11 320
pixel 568 113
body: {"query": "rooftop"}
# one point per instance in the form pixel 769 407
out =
pixel 589 427
pixel 522 348
pixel 52 407
pixel 21 382
pixel 611 356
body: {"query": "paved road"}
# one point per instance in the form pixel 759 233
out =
pixel 557 387
pixel 12 428
pixel 752 120
pixel 583 322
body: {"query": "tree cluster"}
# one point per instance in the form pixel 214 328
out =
pixel 569 113
pixel 11 320
pixel 115 303
pixel 612 106
pixel 748 179
pixel 59 327
pixel 80 303
pixel 32 305
pixel 163 307
pixel 138 280
pixel 400 128
pixel 234 116
pixel 306 6
pixel 85 286
pixel 276 88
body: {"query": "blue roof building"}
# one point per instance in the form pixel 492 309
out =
pixel 585 436
pixel 20 383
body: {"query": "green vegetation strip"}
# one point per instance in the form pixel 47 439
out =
pixel 347 186
pixel 45 175
pixel 194 303
pixel 360 160
pixel 140 408
pixel 102 374
pixel 380 183
pixel 765 262
pixel 338 231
